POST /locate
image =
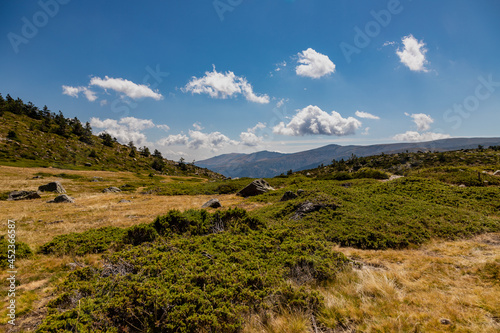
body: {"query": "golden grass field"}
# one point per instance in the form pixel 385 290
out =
pixel 439 287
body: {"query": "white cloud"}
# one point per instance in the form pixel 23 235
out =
pixel 280 66
pixel 127 129
pixel 125 87
pixel 74 91
pixel 314 64
pixel 413 54
pixel 312 120
pixel 224 85
pixel 163 127
pixel 136 124
pixel 197 126
pixel 362 114
pixel 103 102
pixel 249 138
pixel 212 141
pixel 387 43
pixel 418 137
pixel 121 132
pixel 366 131
pixel 175 139
pixel 423 121
pixel 281 102
pixel 71 91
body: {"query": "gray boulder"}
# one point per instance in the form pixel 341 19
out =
pixel 288 195
pixel 23 195
pixel 300 192
pixel 309 207
pixel 111 189
pixel 52 187
pixel 258 186
pixel 496 173
pixel 212 203
pixel 63 198
pixel 124 201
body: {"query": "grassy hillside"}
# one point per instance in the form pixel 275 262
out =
pixel 30 142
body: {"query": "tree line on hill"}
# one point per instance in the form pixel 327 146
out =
pixel 50 122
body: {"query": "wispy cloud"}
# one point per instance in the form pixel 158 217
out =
pixel 126 87
pixel 362 114
pixel 74 91
pixel 417 137
pixel 422 120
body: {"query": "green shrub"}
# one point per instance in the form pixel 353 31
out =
pixel 91 241
pixel 139 234
pixel 22 251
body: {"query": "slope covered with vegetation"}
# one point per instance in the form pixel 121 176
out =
pixel 34 137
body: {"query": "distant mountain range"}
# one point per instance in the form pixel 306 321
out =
pixel 269 164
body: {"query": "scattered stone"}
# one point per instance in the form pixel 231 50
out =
pixel 88 164
pixel 258 186
pixel 462 185
pixel 346 185
pixel 445 321
pixel 496 173
pixel 23 195
pixel 52 187
pixel 212 203
pixel 63 198
pixel 288 195
pixel 111 189
pixel 124 201
pixel 309 207
pixel 37 177
pixel 300 191
pixel 55 222
pixel 96 179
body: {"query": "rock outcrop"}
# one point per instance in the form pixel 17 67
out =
pixel 288 195
pixel 258 186
pixel 23 195
pixel 52 187
pixel 63 198
pixel 111 189
pixel 212 203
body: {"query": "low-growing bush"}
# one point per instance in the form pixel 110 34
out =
pixel 22 251
pixel 91 241
pixel 139 234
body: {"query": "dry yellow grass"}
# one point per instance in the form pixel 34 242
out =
pixel 390 291
pixel 39 221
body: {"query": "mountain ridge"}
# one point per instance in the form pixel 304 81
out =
pixel 267 164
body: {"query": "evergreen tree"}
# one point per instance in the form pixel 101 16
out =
pixel 107 140
pixel 157 154
pixel 145 151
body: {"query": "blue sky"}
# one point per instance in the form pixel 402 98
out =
pixel 201 78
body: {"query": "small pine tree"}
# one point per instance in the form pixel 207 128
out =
pixel 107 140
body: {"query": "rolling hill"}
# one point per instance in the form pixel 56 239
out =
pixel 270 164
